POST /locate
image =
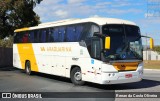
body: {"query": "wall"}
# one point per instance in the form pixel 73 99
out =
pixel 6 57
pixel 150 55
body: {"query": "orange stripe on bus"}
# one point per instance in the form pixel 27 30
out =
pixel 26 52
pixel 125 66
pixel 22 29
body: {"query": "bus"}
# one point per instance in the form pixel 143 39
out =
pixel 97 50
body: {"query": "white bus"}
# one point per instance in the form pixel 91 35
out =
pixel 98 50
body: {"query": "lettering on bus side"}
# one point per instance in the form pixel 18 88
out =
pixel 56 49
pixel 42 48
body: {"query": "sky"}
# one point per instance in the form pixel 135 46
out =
pixel 132 10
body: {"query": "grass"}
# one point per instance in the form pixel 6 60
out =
pixel 151 64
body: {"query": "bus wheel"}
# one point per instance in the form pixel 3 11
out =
pixel 28 68
pixel 76 76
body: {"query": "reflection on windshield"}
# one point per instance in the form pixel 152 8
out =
pixel 125 42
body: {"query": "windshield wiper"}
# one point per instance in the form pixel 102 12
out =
pixel 135 53
pixel 114 56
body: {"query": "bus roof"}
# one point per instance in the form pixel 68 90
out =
pixel 97 20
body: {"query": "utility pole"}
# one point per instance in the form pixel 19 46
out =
pixel 146 48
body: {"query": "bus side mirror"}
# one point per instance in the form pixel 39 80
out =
pixel 151 43
pixel 107 42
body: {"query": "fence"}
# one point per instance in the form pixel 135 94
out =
pixel 6 57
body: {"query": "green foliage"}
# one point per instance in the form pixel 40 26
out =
pixel 17 14
pixel 157 49
pixel 7 42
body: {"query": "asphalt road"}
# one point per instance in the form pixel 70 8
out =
pixel 14 80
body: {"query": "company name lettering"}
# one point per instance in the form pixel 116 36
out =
pixel 56 49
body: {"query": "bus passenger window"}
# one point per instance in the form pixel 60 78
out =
pixel 31 36
pixel 40 36
pixel 51 35
pixel 85 32
pixel 43 35
pixel 61 34
pixel 25 37
pixel 36 36
pixel 94 29
pixel 70 32
pixel 18 38
pixel 79 30
pixel 47 35
pixel 56 39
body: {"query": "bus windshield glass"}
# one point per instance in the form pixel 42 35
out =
pixel 125 42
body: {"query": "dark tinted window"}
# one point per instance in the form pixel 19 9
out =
pixel 85 30
pixel 96 49
pixel 25 38
pixel 61 34
pixel 51 35
pixel 79 30
pixel 75 33
pixel 31 36
pixel 56 35
pixel 70 34
pixel 18 38
pixel 43 35
pixel 36 36
pixel 47 35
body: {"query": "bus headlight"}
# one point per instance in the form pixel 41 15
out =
pixel 111 74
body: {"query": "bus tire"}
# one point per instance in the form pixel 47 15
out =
pixel 28 68
pixel 76 76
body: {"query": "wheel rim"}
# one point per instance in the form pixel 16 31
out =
pixel 78 76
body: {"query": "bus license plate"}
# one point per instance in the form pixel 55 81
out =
pixel 128 75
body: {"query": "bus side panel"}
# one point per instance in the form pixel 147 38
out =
pixel 44 63
pixel 26 52
pixel 50 58
pixel 43 58
pixel 75 57
pixel 90 68
pixel 59 65
pixel 16 57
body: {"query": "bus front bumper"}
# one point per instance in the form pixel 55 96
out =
pixel 121 77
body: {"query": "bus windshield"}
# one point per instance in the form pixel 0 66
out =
pixel 125 42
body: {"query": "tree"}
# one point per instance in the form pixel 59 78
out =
pixel 157 49
pixel 4 7
pixel 17 14
pixel 7 42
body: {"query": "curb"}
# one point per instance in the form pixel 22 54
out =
pixel 152 69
